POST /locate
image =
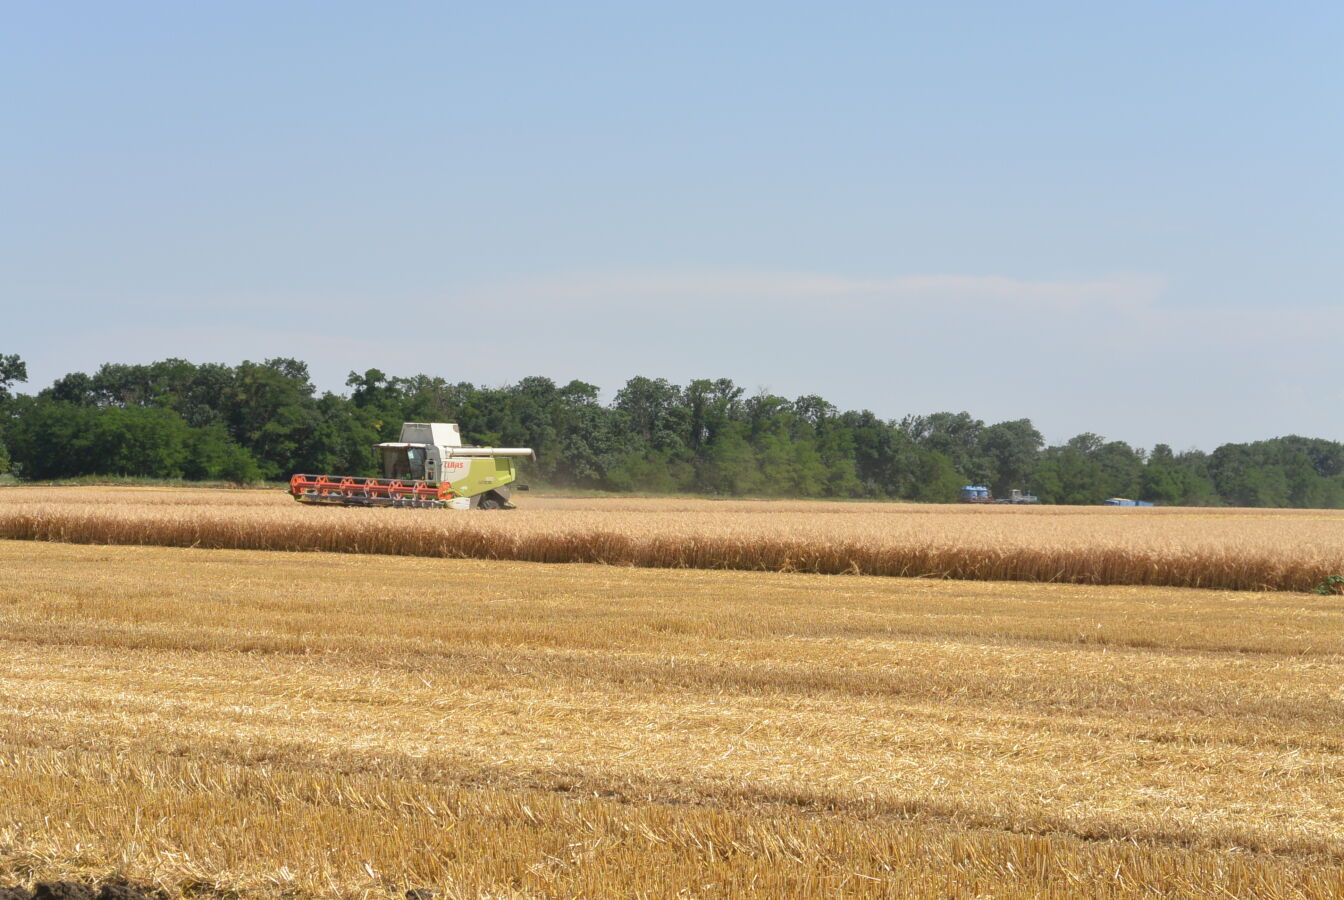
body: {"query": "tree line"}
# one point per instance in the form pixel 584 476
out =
pixel 265 421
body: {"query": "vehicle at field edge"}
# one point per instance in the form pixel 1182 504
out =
pixel 976 493
pixel 427 468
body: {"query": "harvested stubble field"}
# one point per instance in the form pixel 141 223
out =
pixel 330 725
pixel 1236 549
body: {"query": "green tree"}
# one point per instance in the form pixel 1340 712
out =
pixel 270 410
pixel 774 450
pixel 711 407
pixel 956 436
pixel 149 443
pixel 60 440
pixel 1047 482
pixel 936 479
pixel 1121 469
pixel 1267 487
pixel 655 411
pixel 842 478
pixel 731 466
pixel 884 456
pixel 48 439
pixel 1161 481
pixel 1197 487
pixel 809 474
pixel 213 456
pixel 1013 449
pixel 12 370
pixel 590 440
pixel 1071 474
pixel 76 387
pixel 643 471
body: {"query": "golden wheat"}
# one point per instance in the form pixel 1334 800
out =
pixel 316 725
pixel 1233 549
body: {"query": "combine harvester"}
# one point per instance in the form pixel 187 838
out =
pixel 428 468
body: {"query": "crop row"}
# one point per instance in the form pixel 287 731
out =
pixel 1231 568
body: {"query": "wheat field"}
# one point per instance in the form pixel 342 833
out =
pixel 302 725
pixel 1237 549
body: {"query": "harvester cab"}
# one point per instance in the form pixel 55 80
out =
pixel 427 467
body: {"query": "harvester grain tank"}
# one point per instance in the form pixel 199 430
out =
pixel 427 468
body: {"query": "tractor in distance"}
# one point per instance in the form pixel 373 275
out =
pixel 428 468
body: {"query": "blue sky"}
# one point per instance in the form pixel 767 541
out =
pixel 1123 219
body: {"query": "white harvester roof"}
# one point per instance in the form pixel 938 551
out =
pixel 440 434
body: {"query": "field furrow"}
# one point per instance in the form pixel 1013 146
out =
pixel 1232 549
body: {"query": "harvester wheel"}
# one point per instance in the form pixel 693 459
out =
pixel 488 502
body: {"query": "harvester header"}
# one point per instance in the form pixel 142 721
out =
pixel 427 467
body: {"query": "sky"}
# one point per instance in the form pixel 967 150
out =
pixel 1124 219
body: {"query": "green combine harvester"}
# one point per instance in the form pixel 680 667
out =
pixel 427 469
